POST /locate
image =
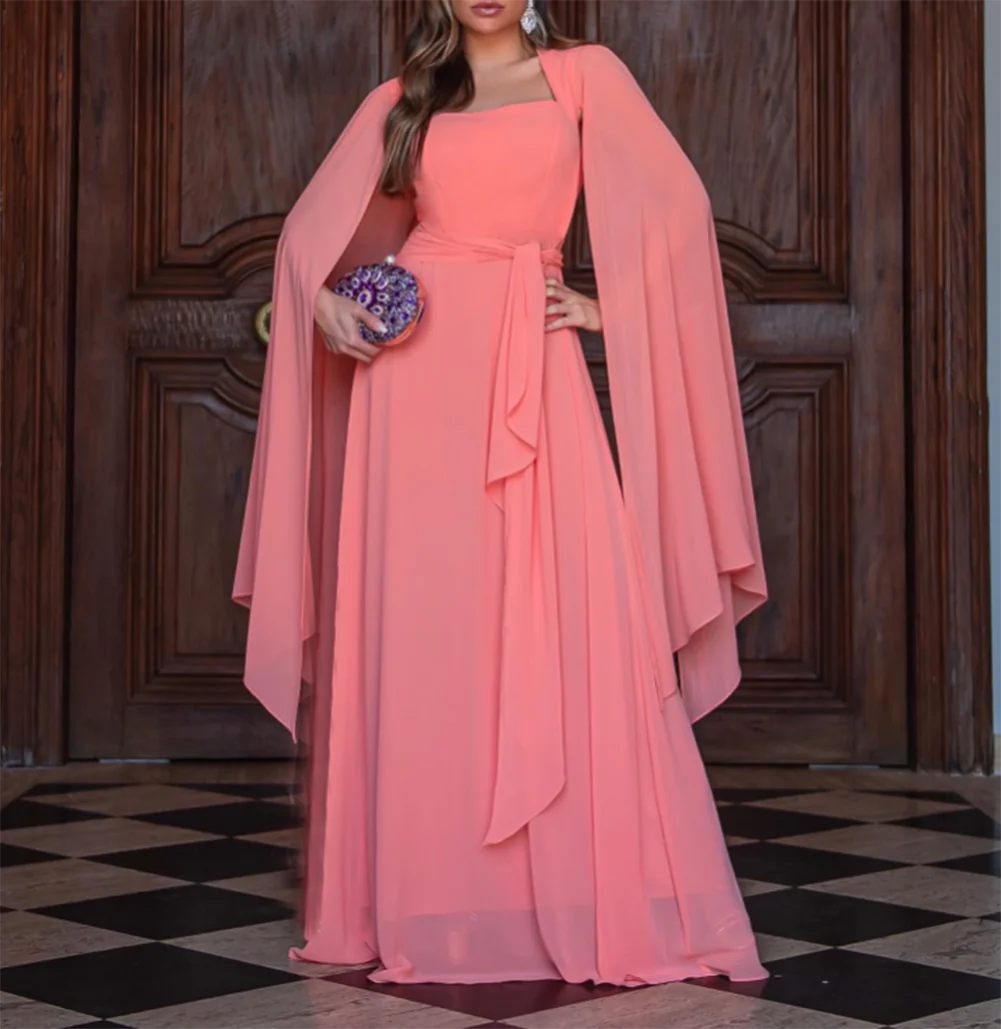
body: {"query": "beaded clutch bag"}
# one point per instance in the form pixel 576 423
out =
pixel 390 292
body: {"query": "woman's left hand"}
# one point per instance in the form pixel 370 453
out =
pixel 572 309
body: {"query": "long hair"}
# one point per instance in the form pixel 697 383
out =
pixel 436 77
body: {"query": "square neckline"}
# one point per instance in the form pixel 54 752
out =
pixel 551 99
pixel 502 107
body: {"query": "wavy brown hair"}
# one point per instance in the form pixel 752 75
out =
pixel 436 77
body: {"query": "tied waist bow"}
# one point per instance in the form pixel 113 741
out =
pixel 530 770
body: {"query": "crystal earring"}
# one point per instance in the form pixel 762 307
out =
pixel 530 19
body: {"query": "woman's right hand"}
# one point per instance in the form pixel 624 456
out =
pixel 338 318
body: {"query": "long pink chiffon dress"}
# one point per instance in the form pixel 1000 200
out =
pixel 512 789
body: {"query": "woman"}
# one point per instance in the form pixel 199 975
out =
pixel 504 782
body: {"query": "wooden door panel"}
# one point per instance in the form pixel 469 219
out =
pixel 192 425
pixel 237 103
pixel 751 90
pixel 200 122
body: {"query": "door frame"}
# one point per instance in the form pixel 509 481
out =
pixel 948 584
pixel 946 381
pixel 37 185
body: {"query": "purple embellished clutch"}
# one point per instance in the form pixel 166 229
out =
pixel 390 292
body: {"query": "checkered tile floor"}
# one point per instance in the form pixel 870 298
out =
pixel 161 905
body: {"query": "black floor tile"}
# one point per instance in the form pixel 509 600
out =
pixel 24 814
pixel 969 822
pixel 762 823
pixel 741 795
pixel 177 911
pixel 832 919
pixel 203 862
pixel 11 856
pixel 862 986
pixel 944 797
pixel 255 790
pixel 152 975
pixel 101 1023
pixel 982 864
pixel 495 1001
pixel 799 866
pixel 995 917
pixel 241 819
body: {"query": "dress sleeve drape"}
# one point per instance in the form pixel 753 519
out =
pixel 675 400
pixel 287 557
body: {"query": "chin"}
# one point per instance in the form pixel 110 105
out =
pixel 488 26
pixel 489 29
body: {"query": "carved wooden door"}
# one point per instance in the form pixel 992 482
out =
pixel 200 122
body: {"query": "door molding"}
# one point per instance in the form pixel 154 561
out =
pixel 38 111
pixel 945 377
pixel 946 329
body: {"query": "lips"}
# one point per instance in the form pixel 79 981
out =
pixel 487 10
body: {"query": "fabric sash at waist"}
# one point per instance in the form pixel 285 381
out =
pixel 530 760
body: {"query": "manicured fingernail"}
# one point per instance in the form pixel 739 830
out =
pixel 382 328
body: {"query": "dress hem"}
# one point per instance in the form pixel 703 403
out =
pixel 404 977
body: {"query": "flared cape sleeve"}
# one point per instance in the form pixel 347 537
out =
pixel 675 399
pixel 287 553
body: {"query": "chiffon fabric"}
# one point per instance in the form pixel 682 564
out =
pixel 504 782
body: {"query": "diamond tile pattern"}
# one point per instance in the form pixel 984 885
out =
pixel 173 906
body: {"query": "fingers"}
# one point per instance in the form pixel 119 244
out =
pixel 355 347
pixel 569 315
pixel 353 344
pixel 560 323
pixel 366 317
pixel 566 305
pixel 572 309
pixel 362 351
pixel 339 321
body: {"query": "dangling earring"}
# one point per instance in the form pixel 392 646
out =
pixel 530 19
